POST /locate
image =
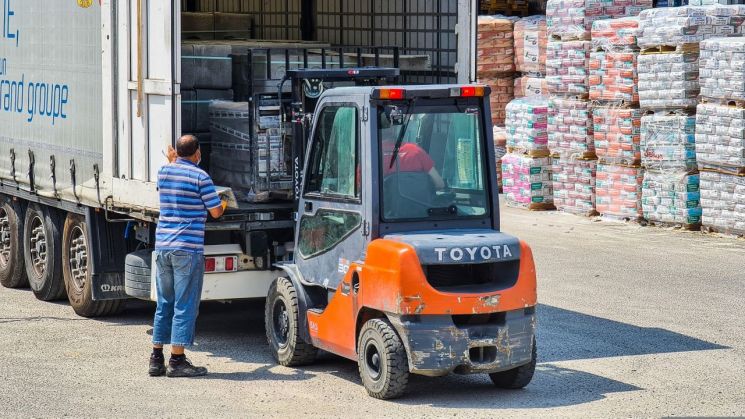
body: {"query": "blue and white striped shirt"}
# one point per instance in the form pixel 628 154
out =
pixel 186 193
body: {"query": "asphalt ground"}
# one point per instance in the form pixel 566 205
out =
pixel 633 322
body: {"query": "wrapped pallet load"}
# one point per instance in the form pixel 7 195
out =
pixel 720 134
pixel 526 168
pixel 496 61
pixel 531 39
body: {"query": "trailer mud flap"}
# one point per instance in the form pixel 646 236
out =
pixel 107 249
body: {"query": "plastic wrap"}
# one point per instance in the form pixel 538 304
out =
pixel 496 50
pixel 570 128
pixel 572 19
pixel 527 181
pixel 614 34
pixel 502 92
pixel 574 185
pixel 668 143
pixel 671 198
pixel 722 68
pixel 720 137
pixel 500 149
pixel 618 191
pixel 530 45
pixel 566 67
pixel 617 135
pixel 613 77
pixel 668 80
pixel 526 125
pixel 723 202
pixel 529 86
pixel 688 24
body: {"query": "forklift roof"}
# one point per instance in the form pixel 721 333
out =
pixel 432 91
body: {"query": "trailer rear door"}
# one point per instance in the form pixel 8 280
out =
pixel 148 92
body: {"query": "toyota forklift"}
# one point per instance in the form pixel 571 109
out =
pixel 399 262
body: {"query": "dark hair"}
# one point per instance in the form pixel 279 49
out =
pixel 187 146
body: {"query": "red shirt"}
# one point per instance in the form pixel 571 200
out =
pixel 411 158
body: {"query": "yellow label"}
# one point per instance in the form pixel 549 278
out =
pixel 85 3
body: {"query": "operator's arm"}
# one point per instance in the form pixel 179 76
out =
pixel 209 196
pixel 436 178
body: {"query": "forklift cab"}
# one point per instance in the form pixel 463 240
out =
pixel 386 159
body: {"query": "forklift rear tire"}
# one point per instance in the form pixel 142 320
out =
pixel 516 378
pixel 282 326
pixel 12 265
pixel 382 361
pixel 42 245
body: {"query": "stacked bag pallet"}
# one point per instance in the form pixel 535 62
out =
pixel 616 117
pixel 530 56
pixel 496 61
pixel 500 149
pixel 669 88
pixel 720 134
pixel 526 168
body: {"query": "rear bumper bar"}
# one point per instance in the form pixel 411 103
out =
pixel 438 345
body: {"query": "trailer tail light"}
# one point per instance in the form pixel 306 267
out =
pixel 215 264
pixel 467 91
pixel 392 94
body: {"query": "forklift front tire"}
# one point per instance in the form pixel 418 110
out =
pixel 282 327
pixel 382 361
pixel 516 378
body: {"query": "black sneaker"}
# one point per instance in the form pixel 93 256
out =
pixel 185 369
pixel 157 366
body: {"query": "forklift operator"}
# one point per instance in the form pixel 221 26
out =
pixel 411 157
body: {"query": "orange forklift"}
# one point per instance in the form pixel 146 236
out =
pixel 399 262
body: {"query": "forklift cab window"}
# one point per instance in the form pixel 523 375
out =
pixel 433 162
pixel 333 161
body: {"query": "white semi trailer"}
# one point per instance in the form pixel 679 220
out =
pixel 91 96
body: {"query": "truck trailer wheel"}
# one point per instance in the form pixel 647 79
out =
pixel 516 378
pixel 381 357
pixel 137 274
pixel 42 244
pixel 77 274
pixel 281 316
pixel 12 265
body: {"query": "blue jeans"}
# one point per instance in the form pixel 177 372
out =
pixel 179 279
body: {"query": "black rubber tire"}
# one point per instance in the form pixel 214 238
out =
pixel 13 266
pixel 393 376
pixel 293 351
pixel 46 283
pixel 516 378
pixel 137 271
pixel 80 296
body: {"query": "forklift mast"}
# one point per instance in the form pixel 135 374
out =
pixel 307 85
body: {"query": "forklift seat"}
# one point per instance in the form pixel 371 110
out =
pixel 408 195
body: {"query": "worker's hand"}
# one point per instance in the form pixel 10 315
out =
pixel 171 155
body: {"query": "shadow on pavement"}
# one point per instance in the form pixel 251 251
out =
pixel 565 335
pixel 235 333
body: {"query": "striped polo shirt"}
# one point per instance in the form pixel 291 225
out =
pixel 186 193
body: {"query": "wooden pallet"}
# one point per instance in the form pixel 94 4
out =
pixel 574 155
pixel 529 153
pixel 721 169
pixel 673 225
pixel 623 162
pixel 715 230
pixel 732 103
pixel 671 49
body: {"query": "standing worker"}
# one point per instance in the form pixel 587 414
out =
pixel 186 195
